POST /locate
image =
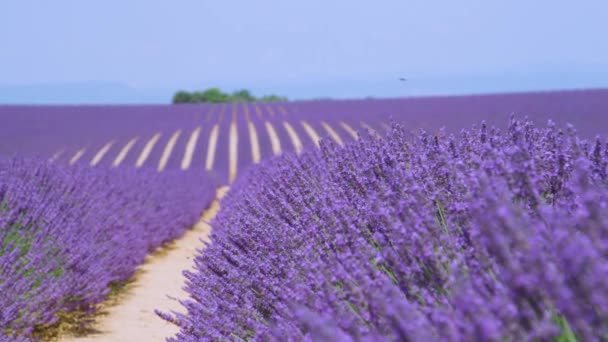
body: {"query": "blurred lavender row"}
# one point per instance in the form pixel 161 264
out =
pixel 68 233
pixel 486 235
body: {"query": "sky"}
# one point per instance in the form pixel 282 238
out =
pixel 312 48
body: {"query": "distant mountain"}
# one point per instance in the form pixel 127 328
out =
pixel 419 85
pixel 89 92
pixel 98 92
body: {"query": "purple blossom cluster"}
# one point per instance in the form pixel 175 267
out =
pixel 68 233
pixel 484 236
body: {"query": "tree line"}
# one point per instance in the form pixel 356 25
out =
pixel 215 95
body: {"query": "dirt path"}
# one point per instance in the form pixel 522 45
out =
pixel 132 318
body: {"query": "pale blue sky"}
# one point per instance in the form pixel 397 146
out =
pixel 275 45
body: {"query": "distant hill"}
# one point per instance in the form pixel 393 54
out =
pixel 97 92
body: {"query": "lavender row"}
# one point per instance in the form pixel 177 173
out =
pixel 487 235
pixel 67 234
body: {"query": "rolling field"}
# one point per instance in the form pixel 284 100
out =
pixel 225 138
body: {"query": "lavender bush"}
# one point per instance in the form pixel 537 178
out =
pixel 66 234
pixel 488 236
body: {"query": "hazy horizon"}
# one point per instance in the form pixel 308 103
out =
pixel 103 92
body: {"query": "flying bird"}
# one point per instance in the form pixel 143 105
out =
pixel 402 79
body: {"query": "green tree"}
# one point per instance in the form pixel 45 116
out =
pixel 197 97
pixel 272 98
pixel 182 97
pixel 242 95
pixel 215 95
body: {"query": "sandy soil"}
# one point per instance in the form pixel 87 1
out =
pixel 293 136
pixel 156 285
pixel 213 136
pixel 275 142
pixel 314 136
pixel 233 151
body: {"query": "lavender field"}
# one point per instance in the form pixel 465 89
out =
pixel 199 136
pixel 472 218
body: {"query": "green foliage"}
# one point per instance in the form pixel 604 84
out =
pixel 182 97
pixel 567 335
pixel 216 95
pixel 19 235
pixel 440 218
pixel 273 98
pixel 196 97
pixel 243 95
